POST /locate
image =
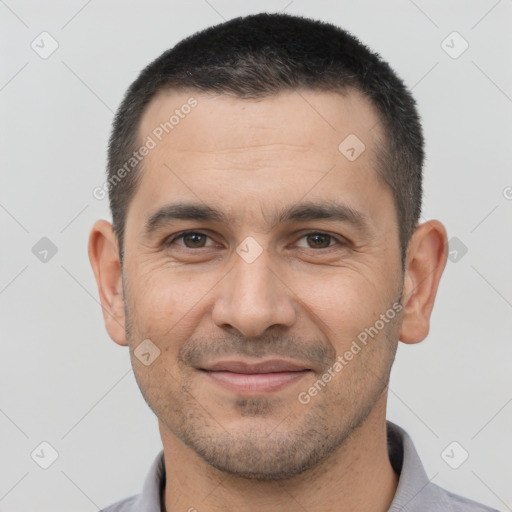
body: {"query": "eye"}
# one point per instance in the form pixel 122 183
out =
pixel 190 240
pixel 316 240
pixel 198 240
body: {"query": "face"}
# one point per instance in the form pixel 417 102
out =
pixel 257 256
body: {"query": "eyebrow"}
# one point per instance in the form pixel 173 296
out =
pixel 296 212
pixel 182 211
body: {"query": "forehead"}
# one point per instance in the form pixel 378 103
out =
pixel 213 122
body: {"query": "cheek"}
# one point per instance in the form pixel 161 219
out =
pixel 343 303
pixel 152 302
pixel 164 303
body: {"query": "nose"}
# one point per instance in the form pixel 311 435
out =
pixel 252 298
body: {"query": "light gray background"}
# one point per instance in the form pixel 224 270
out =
pixel 62 380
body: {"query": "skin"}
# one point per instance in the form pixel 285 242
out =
pixel 304 298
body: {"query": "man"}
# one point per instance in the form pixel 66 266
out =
pixel 264 260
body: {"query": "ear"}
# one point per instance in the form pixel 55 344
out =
pixel 426 258
pixel 104 258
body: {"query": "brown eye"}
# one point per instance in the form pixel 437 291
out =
pixel 191 240
pixel 319 241
pixel 194 240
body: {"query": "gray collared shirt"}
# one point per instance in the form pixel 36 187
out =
pixel 415 492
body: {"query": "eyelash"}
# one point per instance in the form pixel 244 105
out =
pixel 169 241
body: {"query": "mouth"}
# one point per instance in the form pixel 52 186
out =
pixel 264 377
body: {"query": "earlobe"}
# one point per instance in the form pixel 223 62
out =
pixel 426 259
pixel 104 258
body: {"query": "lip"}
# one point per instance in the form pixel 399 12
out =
pixel 255 378
pixel 270 366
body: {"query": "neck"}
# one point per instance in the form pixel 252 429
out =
pixel 357 477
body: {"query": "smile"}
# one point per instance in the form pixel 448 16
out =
pixel 264 377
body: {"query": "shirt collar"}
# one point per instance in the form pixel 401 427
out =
pixel 415 491
pixel 150 499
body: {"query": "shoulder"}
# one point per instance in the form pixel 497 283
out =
pixel 459 503
pixel 126 505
